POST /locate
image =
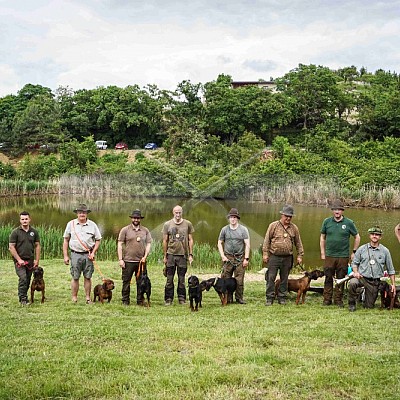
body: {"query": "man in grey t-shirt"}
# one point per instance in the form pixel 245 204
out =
pixel 234 248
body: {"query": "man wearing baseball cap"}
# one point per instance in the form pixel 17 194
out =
pixel 369 264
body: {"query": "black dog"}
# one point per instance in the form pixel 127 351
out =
pixel 143 285
pixel 38 283
pixel 225 287
pixel 389 300
pixel 195 294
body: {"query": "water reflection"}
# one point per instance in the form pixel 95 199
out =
pixel 208 217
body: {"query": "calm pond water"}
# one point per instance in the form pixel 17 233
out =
pixel 208 217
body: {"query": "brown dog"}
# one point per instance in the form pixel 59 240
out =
pixel 104 291
pixel 38 283
pixel 300 285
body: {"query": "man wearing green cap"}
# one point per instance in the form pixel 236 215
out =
pixel 369 264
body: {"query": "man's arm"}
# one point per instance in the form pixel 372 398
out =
pixel 13 251
pixel 165 247
pixel 322 245
pixel 246 252
pixel 37 254
pixel 397 232
pixel 221 250
pixel 357 240
pixel 65 250
pixel 191 242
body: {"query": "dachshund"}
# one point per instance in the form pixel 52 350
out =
pixel 300 285
pixel 225 287
pixel 104 291
pixel 143 285
pixel 38 283
pixel 195 293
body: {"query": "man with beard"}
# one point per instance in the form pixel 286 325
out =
pixel 178 250
pixel 134 243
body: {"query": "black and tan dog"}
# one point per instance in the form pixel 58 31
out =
pixel 38 283
pixel 389 299
pixel 143 285
pixel 225 287
pixel 104 291
pixel 195 293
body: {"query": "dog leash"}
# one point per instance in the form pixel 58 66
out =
pixel 142 265
pixel 88 250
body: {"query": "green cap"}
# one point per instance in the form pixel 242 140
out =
pixel 375 229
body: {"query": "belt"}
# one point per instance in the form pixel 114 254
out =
pixel 372 279
pixel 79 252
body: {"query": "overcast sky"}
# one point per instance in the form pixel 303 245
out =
pixel 90 43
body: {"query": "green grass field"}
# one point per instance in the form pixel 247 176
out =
pixel 60 350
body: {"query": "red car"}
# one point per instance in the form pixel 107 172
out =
pixel 121 146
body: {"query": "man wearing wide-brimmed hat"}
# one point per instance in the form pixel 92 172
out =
pixel 335 251
pixel 370 262
pixel 82 237
pixel 280 239
pixel 234 248
pixel 178 250
pixel 134 242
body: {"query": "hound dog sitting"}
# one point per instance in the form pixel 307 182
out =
pixel 38 283
pixel 143 285
pixel 104 291
pixel 225 287
pixel 195 293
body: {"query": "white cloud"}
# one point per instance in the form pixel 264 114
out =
pixel 130 42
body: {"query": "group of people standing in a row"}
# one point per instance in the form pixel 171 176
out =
pixel 82 239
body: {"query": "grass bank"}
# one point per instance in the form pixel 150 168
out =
pixel 60 350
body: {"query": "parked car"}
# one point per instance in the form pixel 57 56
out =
pixel 150 146
pixel 121 146
pixel 101 144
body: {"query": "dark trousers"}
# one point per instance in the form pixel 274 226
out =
pixel 371 291
pixel 24 274
pixel 176 264
pixel 334 267
pixel 131 268
pixel 235 268
pixel 283 264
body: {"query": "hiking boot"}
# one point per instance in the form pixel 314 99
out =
pixel 327 303
pixel 340 305
pixel 352 307
pixel 24 303
pixel 125 303
pixel 240 301
pixel 168 302
pixel 268 302
pixel 182 301
pixel 282 302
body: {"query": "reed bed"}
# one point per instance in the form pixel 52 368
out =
pixel 206 257
pixel 22 188
pixel 274 189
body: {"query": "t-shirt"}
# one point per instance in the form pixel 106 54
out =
pixel 178 237
pixel 337 236
pixel 25 242
pixel 134 241
pixel 234 239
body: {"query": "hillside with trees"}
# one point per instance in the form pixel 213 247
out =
pixel 336 130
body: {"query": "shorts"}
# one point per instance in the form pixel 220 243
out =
pixel 80 264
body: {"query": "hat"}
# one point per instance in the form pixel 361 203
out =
pixel 375 229
pixel 337 205
pixel 136 213
pixel 82 207
pixel 287 210
pixel 234 213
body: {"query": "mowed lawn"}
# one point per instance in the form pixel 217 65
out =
pixel 60 350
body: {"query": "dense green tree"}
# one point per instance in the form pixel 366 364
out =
pixel 38 124
pixel 314 92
